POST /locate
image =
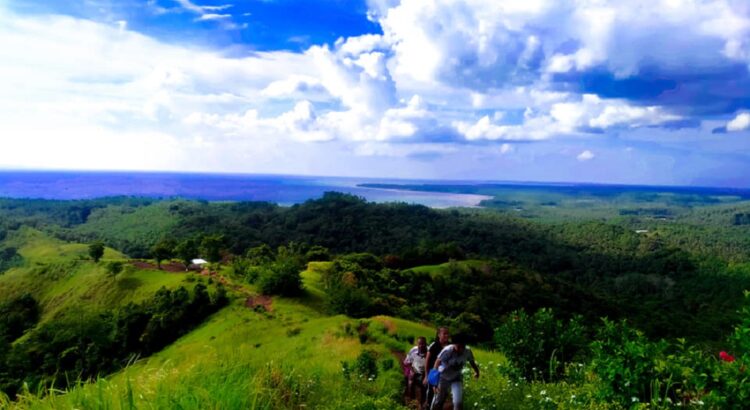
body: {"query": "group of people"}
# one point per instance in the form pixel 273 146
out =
pixel 435 370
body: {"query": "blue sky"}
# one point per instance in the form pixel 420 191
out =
pixel 641 92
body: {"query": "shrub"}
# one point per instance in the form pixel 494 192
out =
pixel 317 253
pixel 350 300
pixel 387 364
pixel 252 273
pixel 114 268
pixel 82 344
pixel 624 359
pixel 293 331
pixel 16 316
pixel 366 364
pixel 281 278
pixel 470 325
pixel 538 345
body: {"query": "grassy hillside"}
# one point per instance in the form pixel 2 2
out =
pixel 285 355
pixel 62 277
pixel 489 276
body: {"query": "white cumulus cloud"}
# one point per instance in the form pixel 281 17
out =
pixel 506 148
pixel 440 72
pixel 585 156
pixel 740 123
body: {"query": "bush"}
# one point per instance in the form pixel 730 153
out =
pixel 539 345
pixel 281 278
pixel 624 359
pixel 114 268
pixel 83 345
pixel 9 258
pixel 293 331
pixel 350 300
pixel 253 273
pixel 470 325
pixel 317 253
pixel 366 364
pixel 17 316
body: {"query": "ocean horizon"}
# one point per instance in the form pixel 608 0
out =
pixel 280 189
pixel 283 189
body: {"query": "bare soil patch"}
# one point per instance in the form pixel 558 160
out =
pixel 173 267
pixel 262 301
pixel 142 265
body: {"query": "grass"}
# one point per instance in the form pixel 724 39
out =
pixel 288 357
pixel 62 277
pixel 238 359
pixel 314 292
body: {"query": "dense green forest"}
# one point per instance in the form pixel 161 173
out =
pixel 666 270
pixel 594 268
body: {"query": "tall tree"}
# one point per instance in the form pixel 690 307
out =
pixel 162 250
pixel 96 251
pixel 211 246
pixel 114 268
pixel 186 251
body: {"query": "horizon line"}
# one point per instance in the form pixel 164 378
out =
pixel 558 184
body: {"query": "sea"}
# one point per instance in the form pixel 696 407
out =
pixel 280 189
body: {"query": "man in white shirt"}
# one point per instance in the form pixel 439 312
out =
pixel 450 363
pixel 417 359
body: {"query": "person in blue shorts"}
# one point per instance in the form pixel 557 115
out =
pixel 450 363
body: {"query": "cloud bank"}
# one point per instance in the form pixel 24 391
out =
pixel 444 76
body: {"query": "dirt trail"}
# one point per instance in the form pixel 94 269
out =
pixel 173 267
pixel 400 356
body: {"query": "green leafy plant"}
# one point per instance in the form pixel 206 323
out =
pixel 539 345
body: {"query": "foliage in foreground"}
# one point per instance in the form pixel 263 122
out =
pixel 626 367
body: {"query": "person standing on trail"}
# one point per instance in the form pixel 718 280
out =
pixel 450 363
pixel 416 359
pixel 441 340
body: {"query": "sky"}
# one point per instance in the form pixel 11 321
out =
pixel 602 91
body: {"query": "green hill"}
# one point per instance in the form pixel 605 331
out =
pixel 62 277
pixel 250 331
pixel 285 354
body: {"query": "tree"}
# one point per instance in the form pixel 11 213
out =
pixel 318 253
pixel 114 268
pixel 96 251
pixel 211 247
pixel 186 251
pixel 162 250
pixel 260 255
pixel 281 278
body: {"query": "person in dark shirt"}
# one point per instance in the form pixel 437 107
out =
pixel 442 340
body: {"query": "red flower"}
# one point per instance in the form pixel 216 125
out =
pixel 726 356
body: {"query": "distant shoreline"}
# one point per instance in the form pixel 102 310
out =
pixel 473 188
pixel 281 190
pixel 295 189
